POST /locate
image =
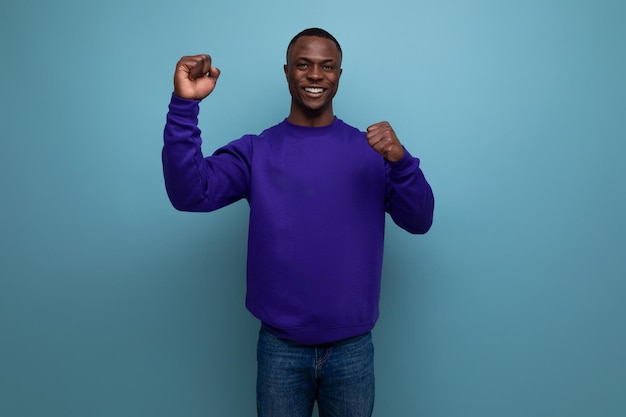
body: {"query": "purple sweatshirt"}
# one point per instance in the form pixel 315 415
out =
pixel 318 198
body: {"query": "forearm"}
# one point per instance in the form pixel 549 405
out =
pixel 183 162
pixel 410 198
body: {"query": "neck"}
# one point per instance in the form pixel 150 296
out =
pixel 320 118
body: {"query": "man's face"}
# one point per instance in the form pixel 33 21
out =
pixel 313 70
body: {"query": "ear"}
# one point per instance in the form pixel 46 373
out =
pixel 286 69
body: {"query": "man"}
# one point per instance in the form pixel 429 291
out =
pixel 318 190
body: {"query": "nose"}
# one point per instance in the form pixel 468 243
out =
pixel 315 72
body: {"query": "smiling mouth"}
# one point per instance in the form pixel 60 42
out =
pixel 314 90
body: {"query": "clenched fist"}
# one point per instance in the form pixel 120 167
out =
pixel 195 77
pixel 383 140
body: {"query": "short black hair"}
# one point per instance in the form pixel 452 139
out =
pixel 320 33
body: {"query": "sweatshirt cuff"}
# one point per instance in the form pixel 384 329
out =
pixel 407 161
pixel 183 106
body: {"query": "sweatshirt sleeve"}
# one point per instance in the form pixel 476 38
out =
pixel 194 182
pixel 410 200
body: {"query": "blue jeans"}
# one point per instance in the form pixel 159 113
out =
pixel 292 377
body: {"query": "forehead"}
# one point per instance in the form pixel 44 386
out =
pixel 314 47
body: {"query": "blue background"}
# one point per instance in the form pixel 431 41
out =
pixel 114 304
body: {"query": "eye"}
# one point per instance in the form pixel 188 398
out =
pixel 328 68
pixel 302 65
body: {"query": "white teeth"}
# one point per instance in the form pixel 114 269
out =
pixel 314 90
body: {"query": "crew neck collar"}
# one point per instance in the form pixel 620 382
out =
pixel 319 130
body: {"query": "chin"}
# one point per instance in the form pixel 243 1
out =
pixel 316 108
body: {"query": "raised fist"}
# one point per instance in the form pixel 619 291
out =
pixel 194 77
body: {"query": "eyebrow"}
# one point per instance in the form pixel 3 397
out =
pixel 324 61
